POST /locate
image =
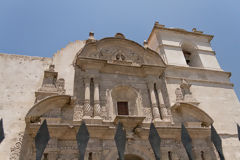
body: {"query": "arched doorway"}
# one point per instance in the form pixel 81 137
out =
pixel 131 157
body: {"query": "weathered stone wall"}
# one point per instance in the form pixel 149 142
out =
pixel 20 77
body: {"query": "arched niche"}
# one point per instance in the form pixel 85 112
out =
pixel 126 94
pixel 190 114
pixel 190 53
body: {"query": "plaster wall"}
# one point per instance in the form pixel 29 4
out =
pixel 20 77
pixel 63 61
pixel 174 56
pixel 209 60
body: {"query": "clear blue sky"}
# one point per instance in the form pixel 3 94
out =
pixel 40 28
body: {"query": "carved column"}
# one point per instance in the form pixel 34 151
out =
pixel 97 108
pixel 87 108
pixel 155 110
pixel 163 108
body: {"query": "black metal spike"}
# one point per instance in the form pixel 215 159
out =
pixel 216 139
pixel 155 141
pixel 2 136
pixel 120 140
pixel 41 140
pixel 82 140
pixel 187 142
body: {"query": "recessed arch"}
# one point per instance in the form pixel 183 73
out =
pixel 128 94
pixel 45 105
pixel 183 112
pixel 190 52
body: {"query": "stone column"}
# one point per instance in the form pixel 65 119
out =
pixel 155 110
pixel 163 108
pixel 97 108
pixel 87 108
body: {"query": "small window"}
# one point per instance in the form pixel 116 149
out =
pixel 45 156
pixel 169 155
pixel 90 156
pixel 202 155
pixel 122 108
pixel 187 56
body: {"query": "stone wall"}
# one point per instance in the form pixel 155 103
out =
pixel 20 77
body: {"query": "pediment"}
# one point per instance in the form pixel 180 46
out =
pixel 120 51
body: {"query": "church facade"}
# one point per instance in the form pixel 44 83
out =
pixel 172 79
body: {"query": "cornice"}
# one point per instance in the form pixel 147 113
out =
pixel 178 30
pixel 202 81
pixel 197 49
pixel 198 69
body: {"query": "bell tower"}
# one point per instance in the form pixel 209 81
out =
pixel 183 48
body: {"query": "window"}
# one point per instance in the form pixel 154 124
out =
pixel 90 156
pixel 122 108
pixel 45 156
pixel 169 155
pixel 187 56
pixel 202 155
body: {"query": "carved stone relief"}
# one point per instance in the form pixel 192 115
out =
pixel 184 94
pixel 16 149
pixel 50 85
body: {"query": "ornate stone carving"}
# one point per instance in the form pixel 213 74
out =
pixel 147 112
pixel 184 94
pixel 97 110
pixel 87 109
pixel 78 113
pixel 179 95
pixel 120 54
pixel 60 86
pixel 16 149
pixel 50 85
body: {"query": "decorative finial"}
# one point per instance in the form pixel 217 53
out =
pixel 91 35
pixel 51 67
pixel 145 44
pixel 119 35
pixel 196 31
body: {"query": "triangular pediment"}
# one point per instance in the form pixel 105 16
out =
pixel 120 51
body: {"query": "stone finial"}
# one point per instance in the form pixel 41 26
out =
pixel 119 35
pixel 196 31
pixel 51 68
pixel 145 44
pixel 91 35
pixel 158 25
